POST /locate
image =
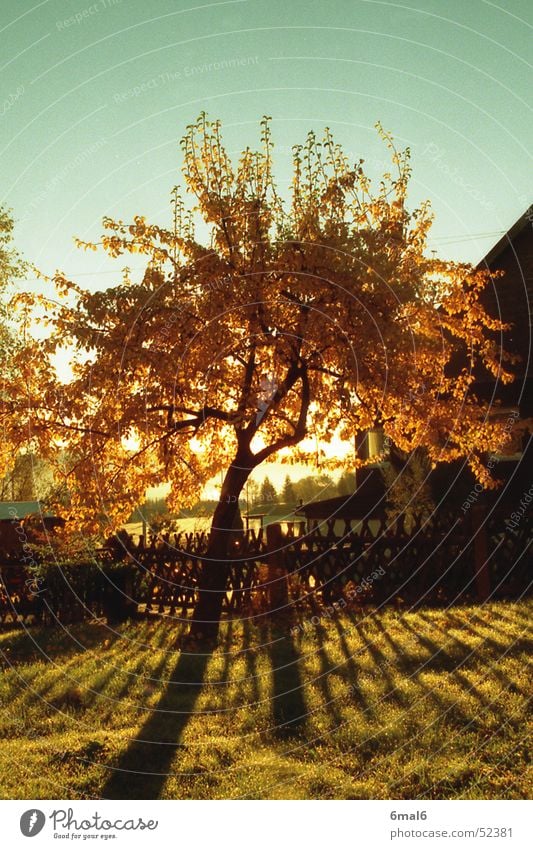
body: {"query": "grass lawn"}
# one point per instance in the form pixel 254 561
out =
pixel 430 704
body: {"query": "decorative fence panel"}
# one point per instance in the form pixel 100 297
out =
pixel 438 561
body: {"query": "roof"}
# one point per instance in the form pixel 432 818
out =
pixel 368 501
pixel 20 509
pixel 507 239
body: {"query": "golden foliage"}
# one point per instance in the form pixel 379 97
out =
pixel 330 298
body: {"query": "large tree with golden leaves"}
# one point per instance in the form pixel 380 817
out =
pixel 319 315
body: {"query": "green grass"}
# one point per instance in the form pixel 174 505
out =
pixel 431 704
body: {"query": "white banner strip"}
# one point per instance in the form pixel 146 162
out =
pixel 273 824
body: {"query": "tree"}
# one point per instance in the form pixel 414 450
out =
pixel 319 316
pixel 346 484
pixel 253 493
pixel 408 487
pixel 29 479
pixel 288 493
pixel 313 487
pixel 11 263
pixel 268 494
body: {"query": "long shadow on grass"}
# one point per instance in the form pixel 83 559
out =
pixel 143 768
pixel 250 660
pixel 383 666
pixel 413 669
pixel 468 628
pixel 289 710
pixel 353 672
pixel 454 667
pixel 327 668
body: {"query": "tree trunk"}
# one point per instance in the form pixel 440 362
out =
pixel 215 568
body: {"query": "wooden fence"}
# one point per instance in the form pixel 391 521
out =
pixel 442 560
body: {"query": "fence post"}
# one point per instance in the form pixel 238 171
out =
pixel 278 595
pixel 481 557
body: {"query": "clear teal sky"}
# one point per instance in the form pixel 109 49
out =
pixel 449 78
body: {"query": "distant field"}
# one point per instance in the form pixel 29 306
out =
pixel 432 704
pixel 197 524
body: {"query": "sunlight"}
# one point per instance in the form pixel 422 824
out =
pixel 130 441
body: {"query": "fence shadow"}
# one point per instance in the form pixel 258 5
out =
pixel 143 768
pixel 289 710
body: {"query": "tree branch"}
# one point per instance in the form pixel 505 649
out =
pixel 247 384
pixel 80 429
pixel 300 428
pixel 200 415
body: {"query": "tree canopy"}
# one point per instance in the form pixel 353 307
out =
pixel 288 492
pixel 268 494
pixel 318 315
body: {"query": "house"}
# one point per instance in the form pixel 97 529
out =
pixel 365 504
pixel 18 510
pixel 510 299
pixel 22 522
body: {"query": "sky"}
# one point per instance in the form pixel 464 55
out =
pixel 95 96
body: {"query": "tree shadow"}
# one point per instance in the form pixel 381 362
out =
pixel 224 685
pixel 252 674
pixel 141 771
pixel 289 709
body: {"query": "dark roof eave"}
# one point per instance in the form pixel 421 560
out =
pixel 506 240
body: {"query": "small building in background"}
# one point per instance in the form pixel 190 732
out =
pixel 367 503
pixel 510 299
pixel 22 522
pixel 15 510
